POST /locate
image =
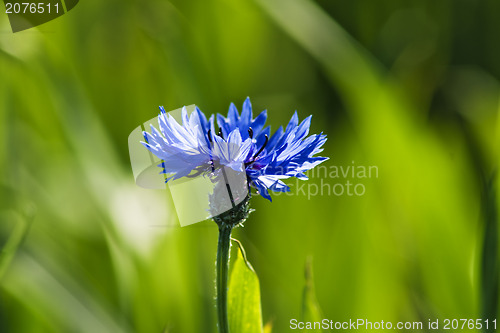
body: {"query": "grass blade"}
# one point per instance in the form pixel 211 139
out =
pixel 311 311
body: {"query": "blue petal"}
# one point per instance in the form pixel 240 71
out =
pixel 233 115
pixel 202 118
pixel 274 139
pixel 262 190
pixel 258 122
pixel 261 138
pixel 279 186
pixel 303 128
pixel 294 121
pixel 224 125
pixel 246 115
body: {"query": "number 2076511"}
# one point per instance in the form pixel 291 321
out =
pixel 33 8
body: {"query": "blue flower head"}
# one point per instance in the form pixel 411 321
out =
pixel 242 143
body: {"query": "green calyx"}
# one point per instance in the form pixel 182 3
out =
pixel 236 215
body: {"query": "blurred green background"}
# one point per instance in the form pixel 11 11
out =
pixel 411 87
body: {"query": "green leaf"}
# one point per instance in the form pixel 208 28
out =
pixel 14 226
pixel 244 310
pixel 489 263
pixel 14 240
pixel 268 328
pixel 311 310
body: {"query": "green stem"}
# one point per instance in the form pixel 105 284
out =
pixel 222 264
